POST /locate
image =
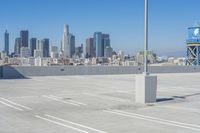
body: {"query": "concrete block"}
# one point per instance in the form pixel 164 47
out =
pixel 146 89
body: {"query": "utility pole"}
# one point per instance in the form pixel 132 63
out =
pixel 146 38
pixel 145 85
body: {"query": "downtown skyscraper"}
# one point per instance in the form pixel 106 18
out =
pixel 98 44
pixel 24 37
pixel 6 42
pixel 68 43
pixel 90 48
pixel 45 45
pixel 33 42
pixel 17 46
pixel 42 48
pixel 65 42
pixel 101 41
pixel 72 44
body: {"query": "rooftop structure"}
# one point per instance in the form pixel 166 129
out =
pixel 193 46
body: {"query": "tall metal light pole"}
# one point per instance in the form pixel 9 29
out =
pixel 145 85
pixel 146 38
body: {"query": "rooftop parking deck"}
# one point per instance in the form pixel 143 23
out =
pixel 98 104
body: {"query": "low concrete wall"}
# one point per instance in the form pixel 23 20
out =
pixel 22 71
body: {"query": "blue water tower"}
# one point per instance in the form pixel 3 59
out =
pixel 193 46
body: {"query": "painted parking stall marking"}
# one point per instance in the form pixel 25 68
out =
pixel 155 119
pixel 14 105
pixel 69 124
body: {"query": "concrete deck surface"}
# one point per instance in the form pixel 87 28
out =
pixel 98 104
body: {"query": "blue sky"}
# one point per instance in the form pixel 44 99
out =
pixel 122 19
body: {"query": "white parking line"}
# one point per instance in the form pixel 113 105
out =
pixel 107 97
pixel 61 124
pixel 184 88
pixel 56 99
pixel 57 78
pixel 156 120
pixel 11 106
pixel 76 124
pixel 179 108
pixel 126 92
pixel 193 125
pixel 23 97
pixel 11 102
pixel 72 101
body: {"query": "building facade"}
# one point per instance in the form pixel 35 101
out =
pixel 151 57
pixel 90 48
pixel 24 38
pixel 78 52
pixel 33 42
pixel 100 42
pixel 72 44
pixel 108 52
pixel 17 46
pixel 6 42
pixel 38 52
pixel 45 45
pixel 65 42
pixel 54 52
pixel 25 52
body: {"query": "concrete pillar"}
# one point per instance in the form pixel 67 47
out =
pixel 146 88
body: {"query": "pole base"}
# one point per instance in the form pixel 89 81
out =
pixel 146 88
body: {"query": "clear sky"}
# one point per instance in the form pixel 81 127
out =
pixel 122 19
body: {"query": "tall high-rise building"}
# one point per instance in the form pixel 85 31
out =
pixel 106 40
pixel 98 44
pixel 72 44
pixel 54 52
pixel 24 37
pixel 6 42
pixel 43 47
pixel 82 48
pixel 66 42
pixel 101 41
pixel 38 52
pixel 108 51
pixel 90 48
pixel 39 45
pixel 17 46
pixel 33 45
pixel 45 43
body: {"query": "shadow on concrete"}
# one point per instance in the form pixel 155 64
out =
pixel 185 96
pixel 176 97
pixel 179 97
pixel 164 99
pixel 195 94
pixel 9 72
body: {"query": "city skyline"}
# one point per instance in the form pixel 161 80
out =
pixel 125 29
